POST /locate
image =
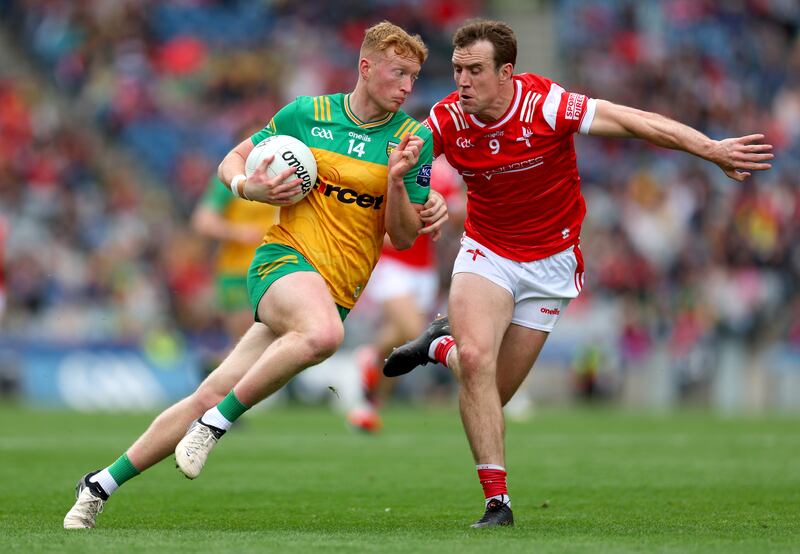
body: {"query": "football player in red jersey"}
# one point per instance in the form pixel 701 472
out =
pixel 510 137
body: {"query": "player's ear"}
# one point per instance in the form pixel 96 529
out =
pixel 363 68
pixel 506 73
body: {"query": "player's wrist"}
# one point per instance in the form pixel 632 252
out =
pixel 397 181
pixel 237 185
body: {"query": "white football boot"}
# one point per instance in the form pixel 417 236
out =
pixel 90 501
pixel 192 452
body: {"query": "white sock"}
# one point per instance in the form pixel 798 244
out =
pixel 215 418
pixel 504 498
pixel 106 482
pixel 434 344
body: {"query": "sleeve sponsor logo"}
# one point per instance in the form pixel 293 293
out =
pixel 424 175
pixel 574 107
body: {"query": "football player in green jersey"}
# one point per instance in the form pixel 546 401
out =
pixel 238 227
pixel 374 172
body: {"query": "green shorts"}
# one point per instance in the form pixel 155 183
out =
pixel 270 263
pixel 232 292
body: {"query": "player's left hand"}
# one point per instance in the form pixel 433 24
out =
pixel 737 157
pixel 433 215
pixel 404 157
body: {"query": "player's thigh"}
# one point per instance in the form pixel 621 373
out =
pixel 518 353
pixel 289 295
pixel 300 302
pixel 480 311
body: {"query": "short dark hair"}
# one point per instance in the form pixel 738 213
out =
pixel 500 35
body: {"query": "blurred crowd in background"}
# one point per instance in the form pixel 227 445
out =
pixel 103 252
pixel 678 256
pixel 689 257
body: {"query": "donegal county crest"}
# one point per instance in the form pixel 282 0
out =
pixel 390 146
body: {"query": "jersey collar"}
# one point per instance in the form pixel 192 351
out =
pixel 509 113
pixel 364 124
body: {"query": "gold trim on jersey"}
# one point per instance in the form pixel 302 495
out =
pixel 322 108
pixel 409 127
pixel 364 125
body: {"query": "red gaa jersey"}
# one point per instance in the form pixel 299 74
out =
pixel 523 190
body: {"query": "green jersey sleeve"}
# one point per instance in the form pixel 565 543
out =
pixel 217 196
pixel 282 123
pixel 418 178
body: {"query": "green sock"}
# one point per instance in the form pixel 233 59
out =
pixel 231 408
pixel 123 470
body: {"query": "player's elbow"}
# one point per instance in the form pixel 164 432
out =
pixel 402 242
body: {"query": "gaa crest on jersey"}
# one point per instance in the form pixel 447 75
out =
pixel 424 175
pixel 390 146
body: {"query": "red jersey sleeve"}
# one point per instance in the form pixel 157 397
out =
pixel 563 112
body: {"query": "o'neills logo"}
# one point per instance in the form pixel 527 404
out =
pixel 301 173
pixel 548 311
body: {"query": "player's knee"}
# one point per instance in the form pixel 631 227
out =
pixel 206 397
pixel 476 366
pixel 322 342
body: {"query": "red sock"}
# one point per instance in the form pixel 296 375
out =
pixel 441 348
pixel 493 480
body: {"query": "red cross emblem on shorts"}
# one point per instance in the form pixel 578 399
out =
pixel 475 253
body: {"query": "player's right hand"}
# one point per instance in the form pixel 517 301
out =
pixel 404 156
pixel 737 157
pixel 433 215
pixel 271 190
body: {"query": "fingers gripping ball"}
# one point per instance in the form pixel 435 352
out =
pixel 288 152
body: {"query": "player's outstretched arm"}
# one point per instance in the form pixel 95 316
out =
pixel 737 157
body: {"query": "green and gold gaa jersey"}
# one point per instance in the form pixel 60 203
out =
pixel 233 258
pixel 339 226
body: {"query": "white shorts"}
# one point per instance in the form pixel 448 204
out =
pixel 392 279
pixel 541 289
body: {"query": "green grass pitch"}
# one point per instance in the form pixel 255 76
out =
pixel 296 480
